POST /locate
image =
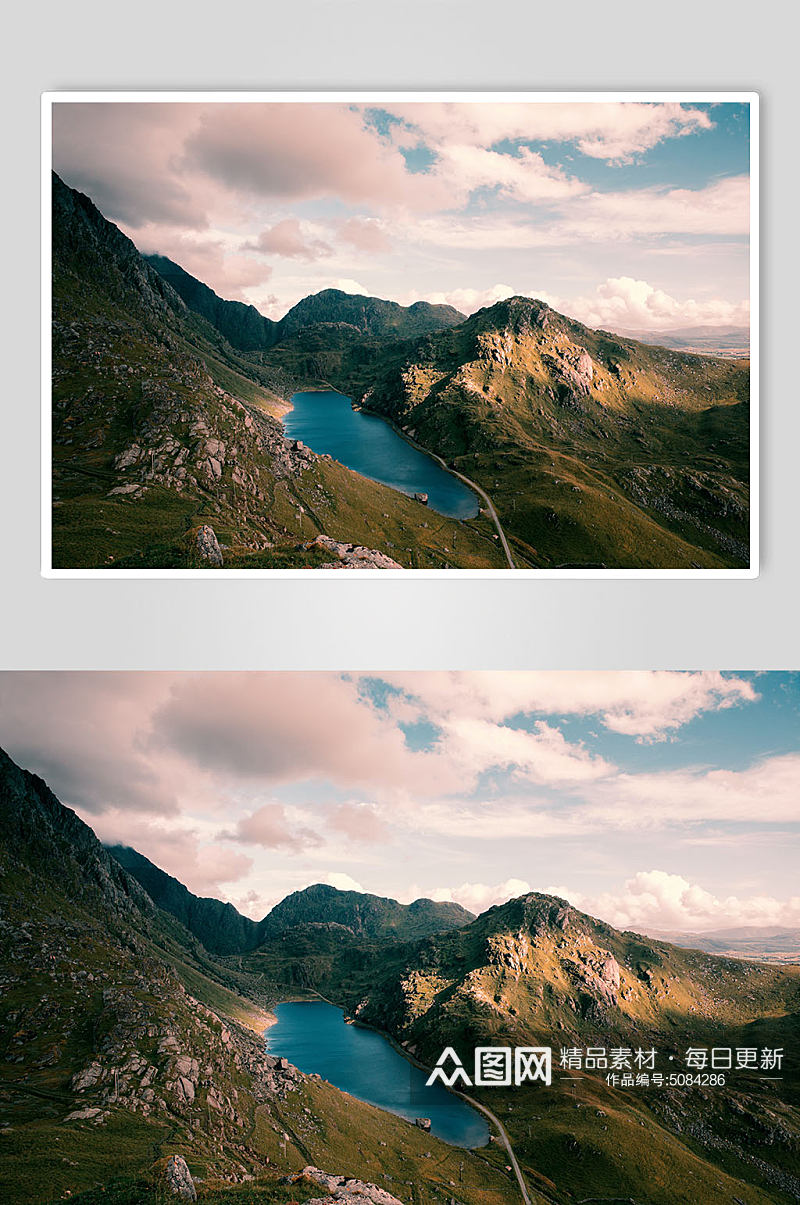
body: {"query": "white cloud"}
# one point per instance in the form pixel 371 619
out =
pixel 469 300
pixel 615 131
pixel 624 303
pixel 343 882
pixel 521 177
pixel 477 897
pixel 655 900
pixel 641 703
pixel 766 792
pixel 542 756
pixel 350 286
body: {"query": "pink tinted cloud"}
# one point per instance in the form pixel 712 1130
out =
pixel 302 151
pixel 83 733
pixel 124 156
pixel 287 238
pixel 270 827
pixel 285 727
pixel 365 234
pixel 358 821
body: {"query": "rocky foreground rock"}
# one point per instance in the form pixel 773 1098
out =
pixel 353 556
pixel 179 1178
pixel 347 1191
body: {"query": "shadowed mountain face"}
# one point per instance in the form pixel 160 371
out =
pixel 242 325
pixel 162 429
pixel 220 928
pixel 126 1045
pixel 245 328
pixel 223 930
pixel 110 1011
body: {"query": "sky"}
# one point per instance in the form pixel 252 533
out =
pixel 655 801
pixel 626 215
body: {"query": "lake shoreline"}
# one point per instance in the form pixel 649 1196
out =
pixel 373 446
pixel 357 1024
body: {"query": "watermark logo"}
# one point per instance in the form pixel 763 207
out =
pixel 495 1067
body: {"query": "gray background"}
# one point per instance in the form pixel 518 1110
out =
pixel 343 623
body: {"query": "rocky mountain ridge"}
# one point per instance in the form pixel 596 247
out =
pixel 247 329
pixel 161 427
pixel 223 930
pixel 133 1061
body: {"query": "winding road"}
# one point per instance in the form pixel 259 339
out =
pixel 474 486
pixel 476 1104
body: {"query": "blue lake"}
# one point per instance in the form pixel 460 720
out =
pixel 315 1037
pixel 326 422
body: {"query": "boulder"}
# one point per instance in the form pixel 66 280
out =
pixel 208 547
pixel 179 1178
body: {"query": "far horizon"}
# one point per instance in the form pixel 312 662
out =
pixel 628 215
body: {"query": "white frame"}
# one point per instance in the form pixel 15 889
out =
pixel 392 97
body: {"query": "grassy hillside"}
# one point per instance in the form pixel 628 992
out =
pixel 595 449
pixel 125 1043
pixel 160 426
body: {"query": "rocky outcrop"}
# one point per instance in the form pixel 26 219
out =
pixel 574 370
pixel 179 1178
pixel 353 556
pixel 340 1188
pixel 598 974
pixel 208 546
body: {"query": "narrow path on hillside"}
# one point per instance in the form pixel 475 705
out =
pixel 476 1104
pixel 474 486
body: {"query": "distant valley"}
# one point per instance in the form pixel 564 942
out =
pixel 593 450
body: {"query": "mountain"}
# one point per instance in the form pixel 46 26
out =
pixel 714 340
pixel 120 1037
pixel 242 325
pixel 768 942
pixel 536 965
pixel 220 928
pixel 168 451
pixel 537 972
pixel 247 329
pixel 134 1061
pixel 595 449
pixel 366 916
pixel 370 316
pixel 223 930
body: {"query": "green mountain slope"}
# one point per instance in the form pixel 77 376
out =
pixel 223 930
pixel 364 915
pixel 160 427
pixel 368 315
pixel 247 329
pixel 537 972
pixel 125 1044
pixel 595 449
